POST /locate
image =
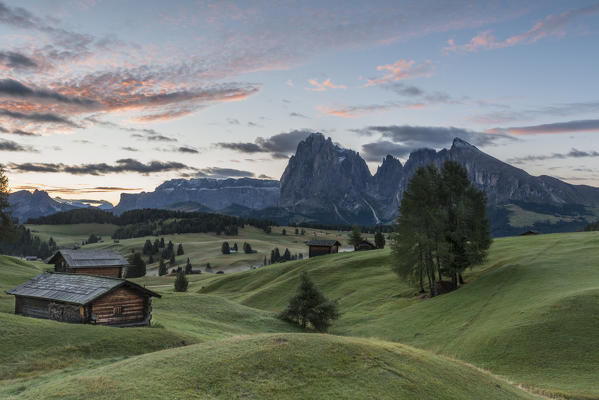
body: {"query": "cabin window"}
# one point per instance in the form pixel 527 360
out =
pixel 117 310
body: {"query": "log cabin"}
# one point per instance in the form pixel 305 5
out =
pixel 85 299
pixel 89 262
pixel 319 247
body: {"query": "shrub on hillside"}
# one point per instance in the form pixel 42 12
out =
pixel 310 307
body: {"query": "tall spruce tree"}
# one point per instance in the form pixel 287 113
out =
pixel 188 268
pixel 137 266
pixel 180 251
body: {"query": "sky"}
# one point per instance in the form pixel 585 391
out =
pixel 99 98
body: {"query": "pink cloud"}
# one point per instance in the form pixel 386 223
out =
pixel 358 111
pixel 324 85
pixel 553 25
pixel 402 69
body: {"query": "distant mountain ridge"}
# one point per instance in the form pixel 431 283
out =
pixel 325 183
pixel 216 194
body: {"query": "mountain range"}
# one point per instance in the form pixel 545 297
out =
pixel 328 184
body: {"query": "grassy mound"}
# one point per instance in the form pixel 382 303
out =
pixel 530 315
pixel 282 366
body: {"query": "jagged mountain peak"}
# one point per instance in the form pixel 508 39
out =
pixel 459 143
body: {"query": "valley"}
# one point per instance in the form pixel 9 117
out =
pixel 521 320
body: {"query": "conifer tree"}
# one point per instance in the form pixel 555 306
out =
pixel 355 237
pixel 310 307
pixel 180 251
pixel 6 228
pixel 188 267
pixel 225 249
pixel 181 282
pixel 379 240
pixel 137 266
pixel 162 268
pixel 235 246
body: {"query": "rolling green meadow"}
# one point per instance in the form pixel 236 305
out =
pixel 524 326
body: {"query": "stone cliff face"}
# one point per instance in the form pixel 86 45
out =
pixel 213 193
pixel 325 180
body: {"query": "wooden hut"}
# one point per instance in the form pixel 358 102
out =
pixel 365 245
pixel 530 233
pixel 90 262
pixel 85 299
pixel 319 247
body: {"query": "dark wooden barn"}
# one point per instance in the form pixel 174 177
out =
pixel 86 299
pixel 319 247
pixel 530 233
pixel 90 262
pixel 365 245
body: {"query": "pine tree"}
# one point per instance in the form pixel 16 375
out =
pixel 151 259
pixel 355 237
pixel 148 249
pixel 208 267
pixel 284 232
pixel 137 266
pixel 225 249
pixel 379 240
pixel 188 268
pixel 264 262
pixel 286 255
pixel 162 268
pixel 6 228
pixel 310 306
pixel 172 259
pixel 235 246
pixel 181 282
pixel 161 243
pixel 296 231
pixel 180 251
pixel 156 246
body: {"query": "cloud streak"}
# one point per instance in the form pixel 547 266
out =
pixel 121 166
pixel 279 146
pixel 588 125
pixel 553 25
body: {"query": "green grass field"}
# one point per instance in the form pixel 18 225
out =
pixel 200 248
pixel 528 316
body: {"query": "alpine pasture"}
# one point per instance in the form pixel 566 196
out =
pixel 523 326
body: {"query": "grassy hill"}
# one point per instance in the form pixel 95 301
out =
pixel 529 314
pixel 277 366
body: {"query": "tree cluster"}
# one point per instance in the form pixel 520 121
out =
pixel 22 243
pixel 309 307
pixel 442 228
pixel 277 257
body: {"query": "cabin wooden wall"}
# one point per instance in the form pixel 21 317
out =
pixel 114 272
pixel 61 265
pixel 321 250
pixel 121 306
pixel 47 309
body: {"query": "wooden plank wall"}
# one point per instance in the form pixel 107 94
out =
pixel 29 307
pixel 120 306
pixel 114 272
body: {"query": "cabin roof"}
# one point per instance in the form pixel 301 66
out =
pixel 323 242
pixel 73 288
pixel 368 242
pixel 90 258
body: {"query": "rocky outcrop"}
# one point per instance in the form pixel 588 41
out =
pixel 216 194
pixel 324 178
pixel 334 184
pixel 25 205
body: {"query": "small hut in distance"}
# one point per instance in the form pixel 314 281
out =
pixel 91 262
pixel 365 245
pixel 320 247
